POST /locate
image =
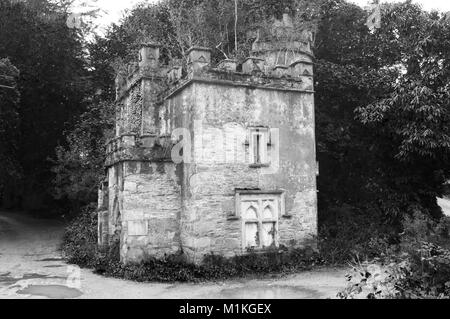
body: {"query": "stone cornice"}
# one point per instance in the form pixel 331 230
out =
pixel 132 147
pixel 261 81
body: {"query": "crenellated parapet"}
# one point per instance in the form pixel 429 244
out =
pixel 253 71
pixel 280 49
pixel 281 56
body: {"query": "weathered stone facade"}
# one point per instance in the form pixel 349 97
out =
pixel 246 176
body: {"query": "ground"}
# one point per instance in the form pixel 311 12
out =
pixel 31 267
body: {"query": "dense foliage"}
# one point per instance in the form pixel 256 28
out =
pixel 382 120
pixel 421 271
pixel 80 238
pixel 79 167
pixel 214 267
pixel 52 83
pixel 9 123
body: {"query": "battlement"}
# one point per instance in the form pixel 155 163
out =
pixel 279 51
pixel 253 70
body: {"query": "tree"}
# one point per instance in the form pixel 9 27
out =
pixel 382 111
pixel 52 84
pixel 414 116
pixel 9 123
pixel 79 166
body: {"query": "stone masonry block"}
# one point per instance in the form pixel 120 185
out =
pixel 137 228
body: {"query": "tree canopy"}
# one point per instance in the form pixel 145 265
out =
pixel 52 83
pixel 9 123
pixel 382 109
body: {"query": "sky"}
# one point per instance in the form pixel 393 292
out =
pixel 113 9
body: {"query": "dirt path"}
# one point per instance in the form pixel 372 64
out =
pixel 31 267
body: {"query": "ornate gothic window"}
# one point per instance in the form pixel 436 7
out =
pixel 259 213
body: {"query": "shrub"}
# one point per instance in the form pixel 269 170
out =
pixel 421 271
pixel 372 281
pixel 214 267
pixel 422 274
pixel 419 228
pixel 349 233
pixel 80 238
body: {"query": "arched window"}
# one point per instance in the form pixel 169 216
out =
pixel 268 212
pixel 260 220
pixel 251 213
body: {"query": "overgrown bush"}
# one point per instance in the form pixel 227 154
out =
pixel 175 268
pixel 80 239
pixel 349 233
pixel 421 271
pixel 421 228
pixel 422 274
pixel 79 165
pixel 80 247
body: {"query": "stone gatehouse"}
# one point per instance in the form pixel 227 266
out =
pixel 214 158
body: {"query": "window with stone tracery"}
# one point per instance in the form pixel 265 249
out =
pixel 259 214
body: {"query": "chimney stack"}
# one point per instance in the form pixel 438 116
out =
pixel 198 58
pixel 149 55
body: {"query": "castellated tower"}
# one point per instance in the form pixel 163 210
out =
pixel 211 159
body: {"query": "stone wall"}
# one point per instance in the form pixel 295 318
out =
pixel 220 164
pixel 115 200
pixel 151 207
